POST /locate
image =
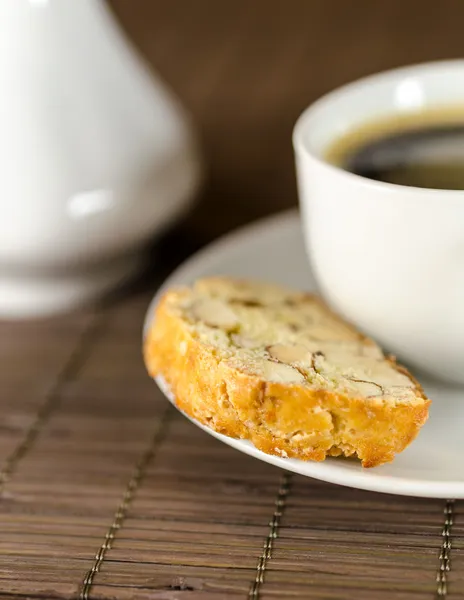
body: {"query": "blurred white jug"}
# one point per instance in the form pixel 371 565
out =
pixel 95 155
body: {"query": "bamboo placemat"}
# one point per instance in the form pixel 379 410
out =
pixel 108 492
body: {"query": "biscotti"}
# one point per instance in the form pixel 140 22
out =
pixel 277 367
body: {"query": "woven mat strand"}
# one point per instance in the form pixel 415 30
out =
pixel 116 495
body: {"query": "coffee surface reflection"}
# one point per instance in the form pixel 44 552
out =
pixel 423 150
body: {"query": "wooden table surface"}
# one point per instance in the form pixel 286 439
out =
pixel 106 492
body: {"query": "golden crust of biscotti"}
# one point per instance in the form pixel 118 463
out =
pixel 284 419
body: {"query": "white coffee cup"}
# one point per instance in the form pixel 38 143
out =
pixel 388 257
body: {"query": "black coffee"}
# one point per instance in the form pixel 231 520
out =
pixel 423 150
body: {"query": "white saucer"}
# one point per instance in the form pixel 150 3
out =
pixel 432 466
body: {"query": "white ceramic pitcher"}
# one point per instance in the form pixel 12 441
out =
pixel 96 156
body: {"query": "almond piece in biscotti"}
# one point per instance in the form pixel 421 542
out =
pixel 243 342
pixel 288 353
pixel 279 368
pixel 369 389
pixel 214 313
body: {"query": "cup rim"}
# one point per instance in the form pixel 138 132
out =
pixel 300 125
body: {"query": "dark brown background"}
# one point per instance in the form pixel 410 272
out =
pixel 246 69
pixel 106 492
